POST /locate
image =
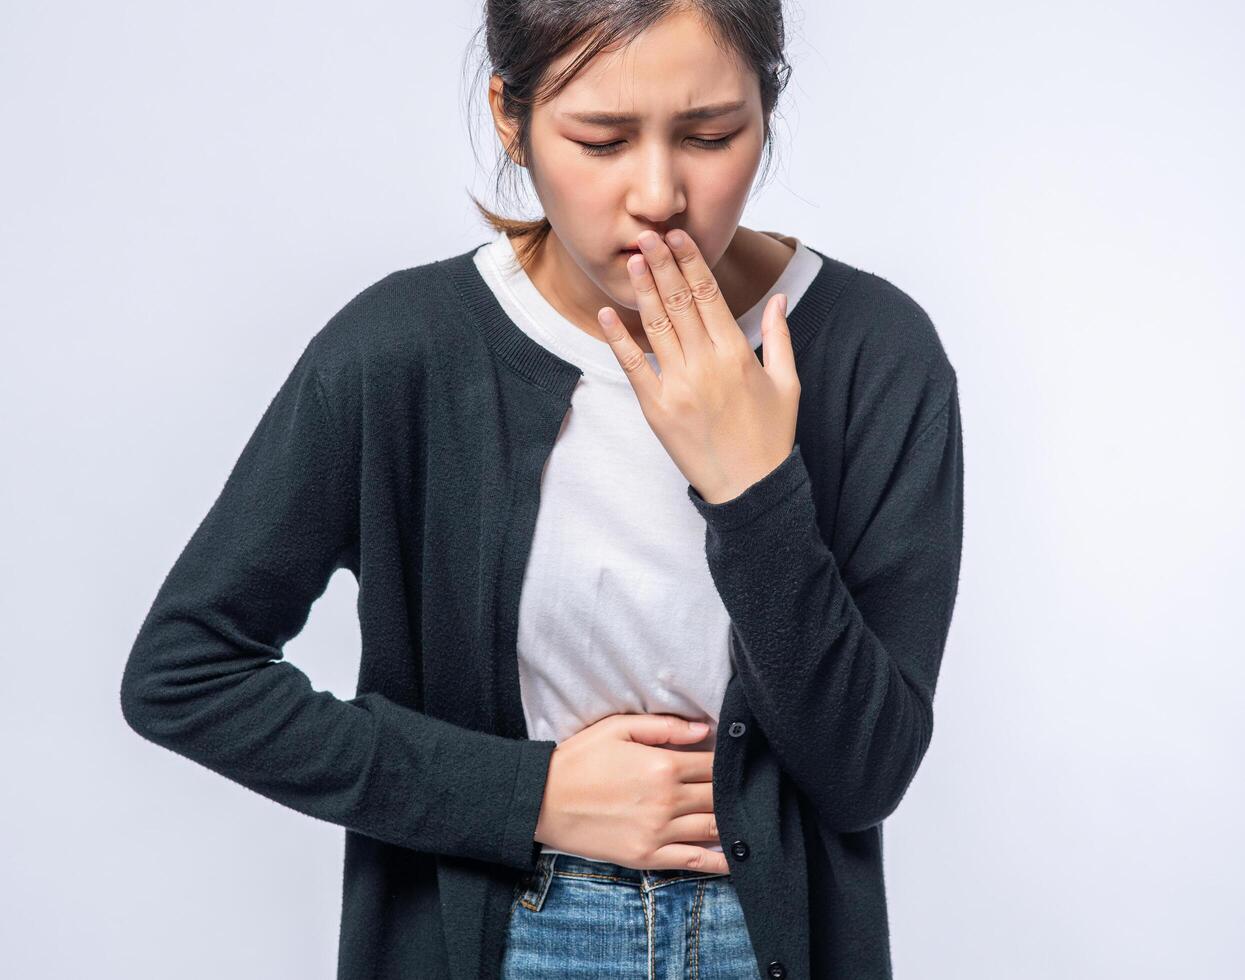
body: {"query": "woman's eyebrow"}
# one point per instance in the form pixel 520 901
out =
pixel 619 118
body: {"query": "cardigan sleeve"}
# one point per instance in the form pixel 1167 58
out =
pixel 206 677
pixel 838 655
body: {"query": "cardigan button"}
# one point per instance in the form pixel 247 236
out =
pixel 737 728
pixel 776 970
pixel 739 849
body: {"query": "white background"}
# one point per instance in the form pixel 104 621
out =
pixel 191 190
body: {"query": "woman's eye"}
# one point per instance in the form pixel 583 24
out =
pixel 605 149
pixel 598 149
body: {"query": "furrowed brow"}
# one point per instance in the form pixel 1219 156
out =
pixel 623 118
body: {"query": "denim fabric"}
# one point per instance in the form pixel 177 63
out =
pixel 576 918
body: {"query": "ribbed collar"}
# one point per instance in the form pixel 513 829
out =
pixel 546 369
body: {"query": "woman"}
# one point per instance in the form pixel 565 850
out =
pixel 592 498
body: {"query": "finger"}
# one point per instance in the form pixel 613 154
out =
pixel 693 798
pixel 692 828
pixel 715 313
pixel 631 356
pixel 676 295
pixel 694 766
pixel 777 353
pixel 657 324
pixel 689 857
pixel 657 729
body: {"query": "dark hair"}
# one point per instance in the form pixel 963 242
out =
pixel 523 37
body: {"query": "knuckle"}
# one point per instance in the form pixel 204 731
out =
pixel 633 360
pixel 705 290
pixel 660 323
pixel 663 768
pixel 680 299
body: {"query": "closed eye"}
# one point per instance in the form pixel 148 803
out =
pixel 605 149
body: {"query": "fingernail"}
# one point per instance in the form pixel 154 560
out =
pixel 782 303
pixel 676 238
pixel 698 727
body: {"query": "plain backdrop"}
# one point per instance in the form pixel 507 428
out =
pixel 191 190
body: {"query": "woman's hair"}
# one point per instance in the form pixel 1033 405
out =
pixel 523 37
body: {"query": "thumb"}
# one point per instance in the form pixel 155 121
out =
pixel 654 729
pixel 776 352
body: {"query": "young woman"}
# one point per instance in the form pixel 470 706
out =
pixel 616 472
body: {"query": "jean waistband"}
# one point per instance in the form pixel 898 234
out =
pixel 533 886
pixel 549 861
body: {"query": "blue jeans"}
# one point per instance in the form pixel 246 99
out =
pixel 576 918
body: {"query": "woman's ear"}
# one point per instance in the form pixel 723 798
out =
pixel 504 125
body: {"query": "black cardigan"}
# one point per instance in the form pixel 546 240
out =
pixel 407 445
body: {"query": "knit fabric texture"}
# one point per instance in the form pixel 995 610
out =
pixel 406 446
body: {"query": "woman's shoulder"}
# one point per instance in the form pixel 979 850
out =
pixel 882 322
pixel 387 323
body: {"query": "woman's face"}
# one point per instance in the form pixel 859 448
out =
pixel 654 170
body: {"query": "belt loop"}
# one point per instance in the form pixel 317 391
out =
pixel 533 897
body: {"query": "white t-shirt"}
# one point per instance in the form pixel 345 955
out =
pixel 618 612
